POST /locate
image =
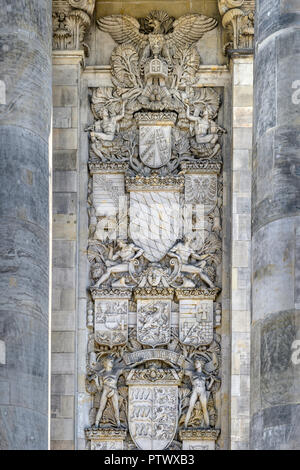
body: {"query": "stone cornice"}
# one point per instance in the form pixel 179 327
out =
pixel 68 57
pixel 199 434
pixel 115 293
pixel 195 293
pixel 155 183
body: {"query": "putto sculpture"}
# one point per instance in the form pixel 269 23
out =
pixel 155 239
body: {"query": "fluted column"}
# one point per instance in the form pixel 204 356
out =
pixel 25 118
pixel 275 376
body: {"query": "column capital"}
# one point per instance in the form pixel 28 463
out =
pixel 71 20
pixel 238 21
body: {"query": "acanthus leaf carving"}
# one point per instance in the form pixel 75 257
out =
pixel 71 20
pixel 238 19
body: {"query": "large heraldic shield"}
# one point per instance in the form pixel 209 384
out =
pixel 153 408
pixel 155 221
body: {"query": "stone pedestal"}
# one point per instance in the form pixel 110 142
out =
pixel 199 439
pixel 106 439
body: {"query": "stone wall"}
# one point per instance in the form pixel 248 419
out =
pixel 66 115
pixel 242 86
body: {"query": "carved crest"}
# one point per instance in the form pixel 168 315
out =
pixel 155 145
pixel 196 322
pixel 111 321
pixel 154 322
pixel 155 221
pixel 153 407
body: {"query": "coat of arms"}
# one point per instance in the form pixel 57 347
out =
pixel 111 321
pixel 155 222
pixel 196 322
pixel 153 407
pixel 154 322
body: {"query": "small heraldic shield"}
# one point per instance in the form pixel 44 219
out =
pixel 196 322
pixel 111 321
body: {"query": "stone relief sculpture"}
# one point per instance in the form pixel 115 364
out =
pixel 238 19
pixel 71 19
pixel 155 145
pixel 126 253
pixel 153 322
pixel 200 391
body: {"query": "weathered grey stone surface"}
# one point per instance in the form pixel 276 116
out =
pixel 25 45
pixel 275 399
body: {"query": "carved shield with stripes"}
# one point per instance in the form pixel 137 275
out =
pixel 155 221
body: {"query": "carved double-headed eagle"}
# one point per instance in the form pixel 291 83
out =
pixel 173 34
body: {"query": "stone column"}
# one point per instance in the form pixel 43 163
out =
pixel 275 384
pixel 25 118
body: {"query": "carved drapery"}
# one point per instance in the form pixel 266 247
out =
pixel 71 20
pixel 155 240
pixel 238 20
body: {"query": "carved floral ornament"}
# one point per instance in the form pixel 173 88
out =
pixel 71 20
pixel 154 351
pixel 238 19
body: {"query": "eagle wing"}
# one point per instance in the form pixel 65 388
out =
pixel 188 29
pixel 124 29
pixel 85 5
